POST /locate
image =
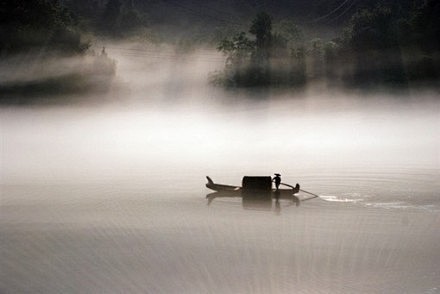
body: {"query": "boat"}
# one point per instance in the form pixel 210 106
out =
pixel 255 187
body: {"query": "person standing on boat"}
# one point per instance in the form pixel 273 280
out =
pixel 277 180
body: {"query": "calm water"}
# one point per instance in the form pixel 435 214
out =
pixel 111 198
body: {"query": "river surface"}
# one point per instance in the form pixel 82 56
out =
pixel 110 198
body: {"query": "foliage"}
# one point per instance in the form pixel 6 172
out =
pixel 261 28
pixel 371 40
pixel 291 32
pixel 46 32
pixel 421 37
pixel 372 29
pixel 119 19
pixel 130 19
pixel 238 51
pixel 381 45
pixel 111 15
pixel 424 26
pixel 264 60
pixel 38 24
pixel 238 43
pixel 391 47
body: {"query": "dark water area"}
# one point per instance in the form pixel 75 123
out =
pixel 111 198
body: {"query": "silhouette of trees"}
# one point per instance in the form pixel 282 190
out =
pixel 42 31
pixel 372 37
pixel 266 59
pixel 425 26
pixel 238 50
pixel 386 46
pixel 37 24
pixel 111 15
pixel 120 18
pixel 131 19
pixel 390 43
pixel 419 34
pixel 261 28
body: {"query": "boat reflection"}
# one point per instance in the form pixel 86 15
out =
pixel 258 201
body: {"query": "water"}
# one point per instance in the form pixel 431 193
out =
pixel 110 198
pixel 362 153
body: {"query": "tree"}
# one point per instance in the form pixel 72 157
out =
pixel 420 34
pixel 238 51
pixel 261 28
pixel 130 19
pixel 111 14
pixel 425 26
pixel 372 37
pixel 372 29
pixel 291 32
pixel 265 60
pixel 37 24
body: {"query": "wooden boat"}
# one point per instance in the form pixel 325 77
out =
pixel 254 187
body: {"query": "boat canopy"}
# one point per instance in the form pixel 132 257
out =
pixel 257 183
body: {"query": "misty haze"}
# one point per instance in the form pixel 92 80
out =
pixel 112 114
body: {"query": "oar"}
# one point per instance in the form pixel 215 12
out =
pixel 314 195
pixel 308 192
pixel 301 191
pixel 288 185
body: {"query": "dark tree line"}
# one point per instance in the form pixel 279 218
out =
pixel 380 45
pixel 393 42
pixel 54 26
pixel 40 31
pixel 38 24
pixel 386 45
pixel 115 18
pixel 267 58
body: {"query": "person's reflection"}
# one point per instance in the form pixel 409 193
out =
pixel 277 207
pixel 277 195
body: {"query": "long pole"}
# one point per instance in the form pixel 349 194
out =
pixel 308 192
pixel 301 191
pixel 287 185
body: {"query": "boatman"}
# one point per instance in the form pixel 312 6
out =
pixel 277 180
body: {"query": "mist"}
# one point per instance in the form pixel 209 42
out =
pixel 161 111
pixel 110 124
